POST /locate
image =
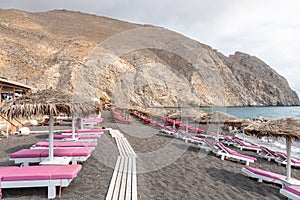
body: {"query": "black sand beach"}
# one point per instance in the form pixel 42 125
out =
pixel 167 168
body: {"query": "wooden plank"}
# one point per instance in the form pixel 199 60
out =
pixel 134 181
pixel 122 147
pixel 113 180
pixel 129 180
pixel 123 181
pixel 119 147
pixel 129 147
pixel 118 181
pixel 126 150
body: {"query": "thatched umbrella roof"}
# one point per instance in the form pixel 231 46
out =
pixel 46 102
pixel 49 102
pixel 289 128
pixel 285 127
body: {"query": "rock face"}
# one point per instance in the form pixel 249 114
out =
pixel 132 64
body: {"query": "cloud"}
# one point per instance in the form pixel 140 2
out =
pixel 268 29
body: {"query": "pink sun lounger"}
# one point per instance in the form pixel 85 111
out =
pixel 225 152
pixel 38 176
pixel 228 140
pixel 262 175
pixel 291 192
pixel 84 131
pixel 65 144
pixel 246 146
pixel 27 156
pixel 267 154
pixel 121 119
pixel 81 137
pixel 282 160
pixel 92 120
pixel 207 145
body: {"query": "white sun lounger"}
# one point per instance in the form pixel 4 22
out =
pixel 262 175
pixel 27 156
pixel 207 145
pixel 93 131
pixel 168 130
pixel 38 176
pixel 291 192
pixel 282 160
pixel 228 140
pixel 246 146
pixel 44 144
pixel 227 153
pixel 267 154
pixel 79 138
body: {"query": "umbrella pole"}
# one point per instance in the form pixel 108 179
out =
pixel 218 132
pixel 51 122
pixel 186 126
pixel 288 152
pixel 81 123
pixel 73 127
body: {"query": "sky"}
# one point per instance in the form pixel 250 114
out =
pixel 267 29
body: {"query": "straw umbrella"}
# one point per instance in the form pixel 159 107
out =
pixel 289 128
pixel 49 102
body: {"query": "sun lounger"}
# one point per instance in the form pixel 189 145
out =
pixel 187 137
pixel 246 146
pixel 267 154
pixel 228 140
pixel 160 125
pixel 38 176
pixel 92 120
pixel 197 130
pixel 84 131
pixel 169 130
pixel 262 175
pixel 81 137
pixel 225 152
pixel 291 192
pixel 213 136
pixel 27 156
pixel 207 145
pixel 282 160
pixel 121 119
pixel 65 144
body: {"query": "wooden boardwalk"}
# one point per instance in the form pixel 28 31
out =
pixel 123 184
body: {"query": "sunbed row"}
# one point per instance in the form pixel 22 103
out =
pixel 45 174
pixel 218 148
pixel 119 118
pixel 279 157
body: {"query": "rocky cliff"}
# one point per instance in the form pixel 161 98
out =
pixel 132 64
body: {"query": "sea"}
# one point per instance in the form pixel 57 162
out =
pixel 269 112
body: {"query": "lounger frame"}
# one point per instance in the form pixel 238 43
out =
pixel 261 178
pixel 266 154
pixel 26 161
pixel 226 155
pixel 51 184
pixel 289 195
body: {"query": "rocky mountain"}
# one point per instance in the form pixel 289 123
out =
pixel 131 64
